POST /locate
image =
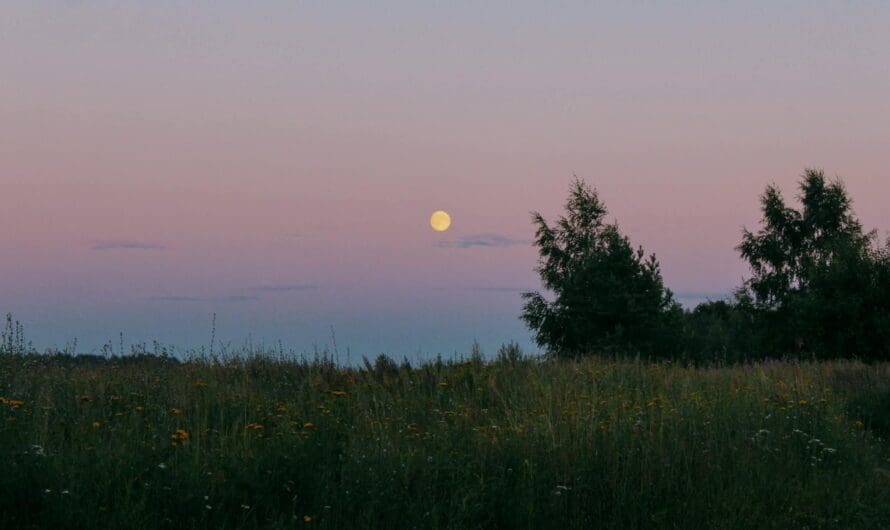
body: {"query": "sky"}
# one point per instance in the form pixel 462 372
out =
pixel 276 163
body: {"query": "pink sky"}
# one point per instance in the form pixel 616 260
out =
pixel 278 165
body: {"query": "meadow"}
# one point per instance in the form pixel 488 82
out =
pixel 514 442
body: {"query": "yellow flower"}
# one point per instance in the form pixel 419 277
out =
pixel 200 384
pixel 85 398
pixel 307 518
pixel 254 426
pixel 175 411
pixel 16 403
pixel 443 384
pixel 96 424
pixel 181 435
pixel 308 425
pixel 338 393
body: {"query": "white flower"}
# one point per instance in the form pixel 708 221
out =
pixel 245 507
pixel 162 466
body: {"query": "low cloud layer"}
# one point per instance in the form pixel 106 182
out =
pixel 482 240
pixel 231 298
pixel 285 288
pixel 126 245
pixel 176 299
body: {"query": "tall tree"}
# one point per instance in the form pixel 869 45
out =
pixel 814 272
pixel 607 297
pixel 792 244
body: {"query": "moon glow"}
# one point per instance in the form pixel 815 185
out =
pixel 440 221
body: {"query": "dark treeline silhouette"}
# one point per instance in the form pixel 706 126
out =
pixel 819 287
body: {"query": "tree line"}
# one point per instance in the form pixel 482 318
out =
pixel 819 286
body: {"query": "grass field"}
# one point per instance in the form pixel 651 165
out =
pixel 517 443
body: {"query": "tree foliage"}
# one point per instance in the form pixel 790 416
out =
pixel 607 296
pixel 818 280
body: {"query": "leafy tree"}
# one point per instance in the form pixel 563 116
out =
pixel 815 273
pixel 608 297
pixel 721 330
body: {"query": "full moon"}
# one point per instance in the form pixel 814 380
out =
pixel 440 221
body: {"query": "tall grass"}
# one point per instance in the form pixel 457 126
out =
pixel 148 442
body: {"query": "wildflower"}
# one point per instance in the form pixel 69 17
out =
pixel 162 466
pixel 308 425
pixel 802 402
pixel 253 426
pixel 245 507
pixel 200 384
pixel 139 408
pixel 307 518
pixel 181 435
pixel 85 398
pixel 3 401
pixel 175 411
pixel 37 450
pixel 442 384
pixel 66 492
pixel 16 403
pixel 338 393
pixel 96 424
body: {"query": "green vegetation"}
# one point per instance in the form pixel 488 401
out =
pixel 149 442
pixel 820 287
pixel 608 297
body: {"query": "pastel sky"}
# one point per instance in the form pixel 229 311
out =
pixel 276 163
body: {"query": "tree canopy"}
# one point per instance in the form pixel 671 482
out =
pixel 607 296
pixel 817 277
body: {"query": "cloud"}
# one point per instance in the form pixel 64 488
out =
pixel 231 298
pixel 502 289
pixel 486 289
pixel 177 299
pixel 285 288
pixel 126 245
pixel 238 298
pixel 482 240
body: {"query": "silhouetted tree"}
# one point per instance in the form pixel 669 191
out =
pixel 608 297
pixel 816 274
pixel 722 330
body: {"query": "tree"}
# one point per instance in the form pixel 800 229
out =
pixel 815 273
pixel 608 297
